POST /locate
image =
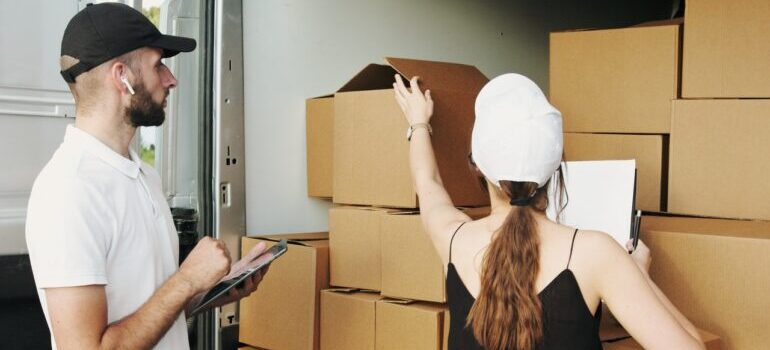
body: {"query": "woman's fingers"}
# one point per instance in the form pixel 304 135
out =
pixel 414 85
pixel 400 87
pixel 399 98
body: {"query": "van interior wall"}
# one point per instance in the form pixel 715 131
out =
pixel 296 49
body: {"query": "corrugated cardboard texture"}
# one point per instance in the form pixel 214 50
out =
pixel 614 337
pixel 411 268
pixel 719 161
pixel 714 272
pixel 284 311
pixel 354 244
pixel 371 159
pixel 711 341
pixel 647 150
pixel 320 136
pixel 726 49
pixel 616 80
pixel 413 326
pixel 348 320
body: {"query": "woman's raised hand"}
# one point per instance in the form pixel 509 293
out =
pixel 417 107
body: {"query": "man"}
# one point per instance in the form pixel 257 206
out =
pixel 101 238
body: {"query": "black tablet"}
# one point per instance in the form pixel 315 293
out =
pixel 255 265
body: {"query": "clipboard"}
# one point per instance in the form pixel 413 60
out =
pixel 257 264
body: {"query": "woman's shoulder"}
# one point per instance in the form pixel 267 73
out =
pixel 602 247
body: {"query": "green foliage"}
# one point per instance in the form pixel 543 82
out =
pixel 153 13
pixel 148 154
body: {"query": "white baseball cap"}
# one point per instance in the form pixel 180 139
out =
pixel 517 135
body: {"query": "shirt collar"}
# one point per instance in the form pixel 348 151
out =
pixel 129 167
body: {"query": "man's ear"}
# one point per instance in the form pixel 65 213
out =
pixel 118 71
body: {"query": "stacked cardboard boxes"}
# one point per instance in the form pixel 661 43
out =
pixel 387 278
pixel 704 149
pixel 614 88
pixel 718 167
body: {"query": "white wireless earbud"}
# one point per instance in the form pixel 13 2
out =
pixel 126 83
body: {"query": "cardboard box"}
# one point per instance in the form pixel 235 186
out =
pixel 714 271
pixel 614 337
pixel 726 51
pixel 319 123
pixel 284 311
pixel 418 326
pixel 615 80
pixel 719 161
pixel 649 151
pixel 411 267
pixel 371 153
pixel 348 320
pixel 354 244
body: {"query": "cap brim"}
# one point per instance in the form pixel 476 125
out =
pixel 172 45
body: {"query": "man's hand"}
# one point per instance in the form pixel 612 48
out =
pixel 248 286
pixel 208 262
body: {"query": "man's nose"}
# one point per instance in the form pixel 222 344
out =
pixel 169 81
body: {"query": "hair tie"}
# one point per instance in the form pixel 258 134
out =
pixel 521 202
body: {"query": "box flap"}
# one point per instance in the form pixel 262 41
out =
pixel 306 239
pixel 440 75
pixel 713 227
pixel 398 301
pixel 372 77
pixel 665 22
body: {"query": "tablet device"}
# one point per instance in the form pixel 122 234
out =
pixel 255 265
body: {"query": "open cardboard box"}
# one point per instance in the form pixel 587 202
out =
pixel 371 153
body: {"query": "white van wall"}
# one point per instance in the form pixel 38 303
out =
pixel 31 90
pixel 296 49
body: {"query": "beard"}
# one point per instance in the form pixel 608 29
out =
pixel 143 111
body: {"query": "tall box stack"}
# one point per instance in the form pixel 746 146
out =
pixel 715 269
pixel 713 150
pixel 719 158
pixel 614 88
pixel 387 278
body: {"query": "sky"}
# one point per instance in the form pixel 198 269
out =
pixel 151 3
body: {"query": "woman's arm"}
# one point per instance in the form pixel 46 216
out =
pixel 637 303
pixel 642 258
pixel 439 215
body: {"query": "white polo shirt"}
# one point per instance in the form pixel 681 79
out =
pixel 96 217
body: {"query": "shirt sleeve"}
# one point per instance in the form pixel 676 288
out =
pixel 69 231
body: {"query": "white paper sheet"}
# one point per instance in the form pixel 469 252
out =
pixel 601 197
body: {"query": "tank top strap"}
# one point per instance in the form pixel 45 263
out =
pixel 571 247
pixel 452 240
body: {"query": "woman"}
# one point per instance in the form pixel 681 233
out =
pixel 515 279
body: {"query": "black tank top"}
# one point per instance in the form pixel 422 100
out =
pixel 567 321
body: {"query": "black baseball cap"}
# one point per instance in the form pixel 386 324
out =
pixel 101 32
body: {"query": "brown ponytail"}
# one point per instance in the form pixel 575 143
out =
pixel 507 313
